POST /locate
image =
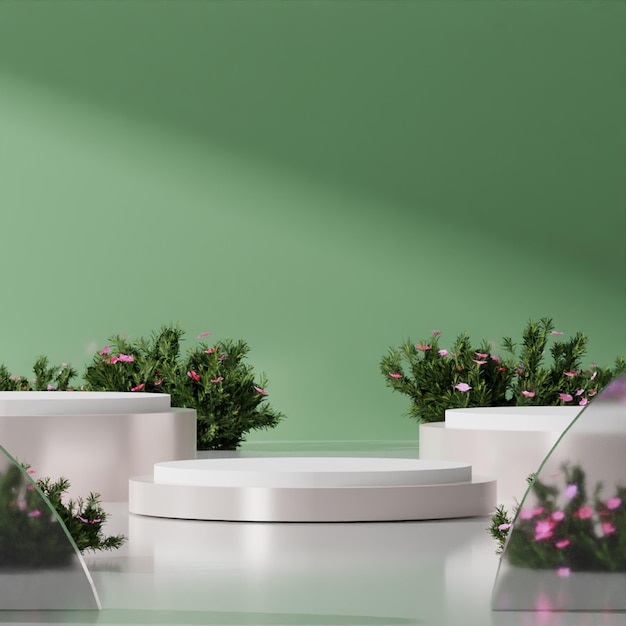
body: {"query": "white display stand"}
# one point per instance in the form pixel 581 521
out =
pixel 311 489
pixel 508 443
pixel 97 440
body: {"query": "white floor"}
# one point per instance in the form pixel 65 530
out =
pixel 435 573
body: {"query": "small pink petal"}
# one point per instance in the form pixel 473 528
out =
pixel 424 347
pixel 579 392
pixel 219 379
pixel 95 521
pixel 442 352
pixel 593 375
pixel 105 350
pixel 613 503
pixel 84 520
pixel 481 355
pixel 139 387
pixel 259 390
pixel 504 526
pixel 556 332
pixel 558 516
pixel 528 394
pixel 495 358
pixel 35 513
pixel 126 358
pixel 114 359
pixel 394 375
pixel 436 332
pixel 203 335
pixel 526 514
pixel 210 350
pixel 462 387
pixel 479 362
pixel 584 402
pixel 193 375
pixel 584 512
pixel 15 378
pixel 608 528
pixel 21 505
pixel 571 491
pixel 592 393
pixel 563 572
pixel 50 387
pixel 562 544
pixel 565 397
pixel 223 356
pixel 570 374
pixel 31 472
pixel 158 382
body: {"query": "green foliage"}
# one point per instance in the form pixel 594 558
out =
pixel 47 378
pixel 467 375
pixel 30 535
pixel 575 531
pixel 214 380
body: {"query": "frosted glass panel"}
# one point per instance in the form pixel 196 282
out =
pixel 40 566
pixel 567 547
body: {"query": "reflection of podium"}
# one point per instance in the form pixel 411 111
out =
pixel 97 440
pixel 508 443
pixel 566 550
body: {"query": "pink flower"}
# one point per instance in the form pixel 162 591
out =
pixel 502 369
pixel 562 544
pixel 479 362
pixel 394 375
pixel 538 510
pixel 424 347
pixel 158 382
pixel 526 514
pixel 30 472
pixel 579 392
pixel 592 393
pixel 571 491
pixel 556 332
pixel 528 394
pixel 563 572
pixel 210 350
pixel 84 520
pixel 203 335
pixel 50 387
pixel 95 521
pixel 584 402
pixel 436 332
pixel 126 358
pixel 593 375
pixel 565 397
pixel 443 352
pixel 21 505
pixel 139 387
pixel 193 375
pixel 495 358
pixel 114 359
pixel 613 503
pixel 481 355
pixel 35 513
pixel 504 526
pixel 558 516
pixel 584 512
pixel 105 350
pixel 570 374
pixel 462 387
pixel 259 390
pixel 608 528
pixel 543 530
pixel 219 379
pixel 223 356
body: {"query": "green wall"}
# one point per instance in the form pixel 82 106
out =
pixel 323 179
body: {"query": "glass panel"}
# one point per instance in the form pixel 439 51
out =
pixel 40 565
pixel 566 549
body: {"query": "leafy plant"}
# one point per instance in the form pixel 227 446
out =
pixel 566 530
pixel 30 535
pixel 212 379
pixel 467 375
pixel 47 378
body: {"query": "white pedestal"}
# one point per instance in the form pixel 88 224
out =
pixel 96 440
pixel 505 443
pixel 312 489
